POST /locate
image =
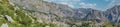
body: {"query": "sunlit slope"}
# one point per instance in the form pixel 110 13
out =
pixel 13 16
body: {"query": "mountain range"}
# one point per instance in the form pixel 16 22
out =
pixel 50 14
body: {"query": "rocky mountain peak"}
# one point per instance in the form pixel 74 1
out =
pixel 113 13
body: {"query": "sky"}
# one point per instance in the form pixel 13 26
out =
pixel 95 4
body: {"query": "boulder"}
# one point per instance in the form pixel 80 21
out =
pixel 9 18
pixel 4 25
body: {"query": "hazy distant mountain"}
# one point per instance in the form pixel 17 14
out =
pixel 89 14
pixel 111 14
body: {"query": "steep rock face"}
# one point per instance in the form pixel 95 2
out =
pixel 80 13
pixel 110 15
pixel 64 9
pixel 113 14
pixel 89 14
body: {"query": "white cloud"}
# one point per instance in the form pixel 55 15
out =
pixel 71 6
pixel 63 0
pixel 66 3
pixel 87 5
pixel 76 0
pixel 113 3
pixel 117 2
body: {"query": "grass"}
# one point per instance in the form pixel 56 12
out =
pixel 19 16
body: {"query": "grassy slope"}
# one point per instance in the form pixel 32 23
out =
pixel 18 15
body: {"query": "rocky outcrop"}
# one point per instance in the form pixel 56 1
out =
pixel 9 18
pixel 4 25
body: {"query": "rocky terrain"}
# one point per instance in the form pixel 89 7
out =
pixel 39 13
